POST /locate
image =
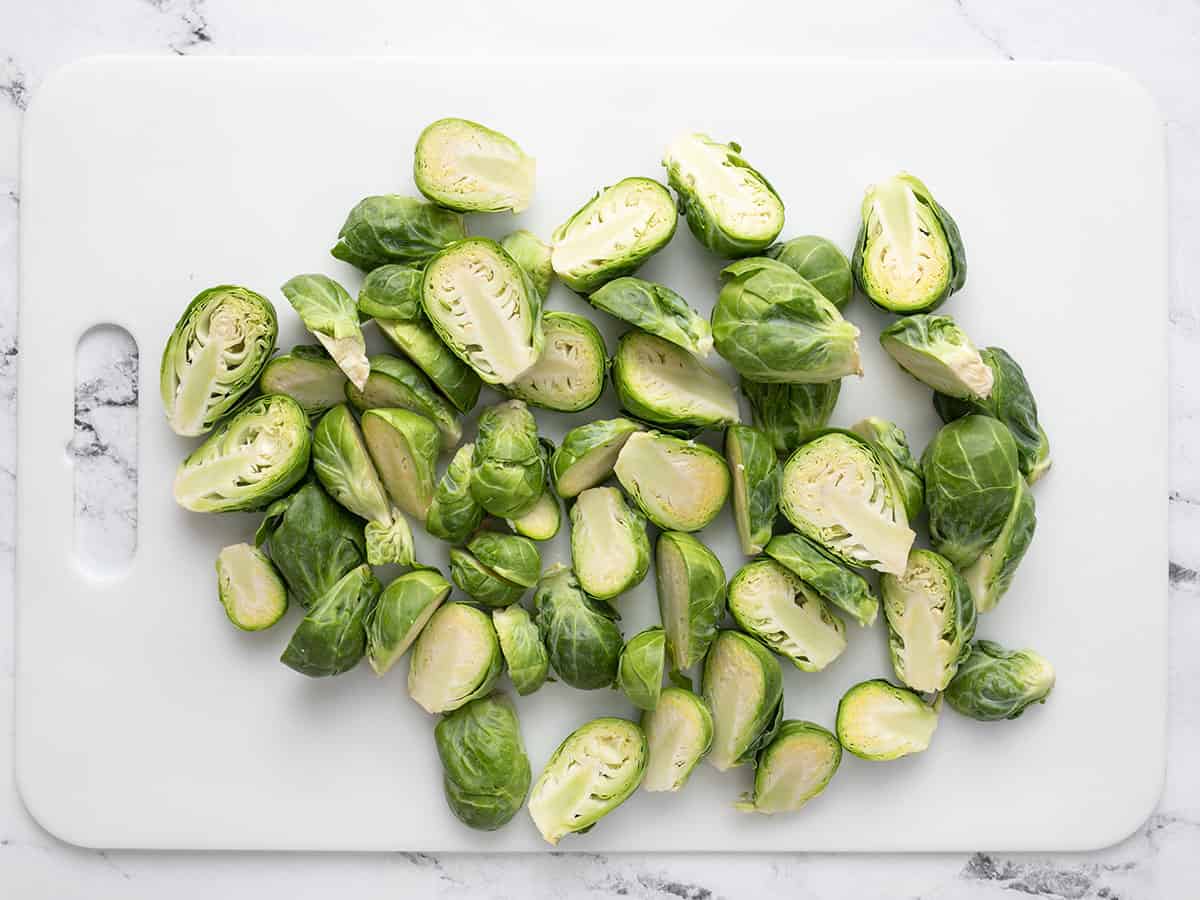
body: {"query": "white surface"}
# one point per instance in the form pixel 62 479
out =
pixel 144 720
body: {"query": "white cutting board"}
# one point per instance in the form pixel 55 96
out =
pixel 144 719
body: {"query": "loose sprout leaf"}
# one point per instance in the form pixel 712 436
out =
pixel 331 315
pixel 664 384
pixel 569 375
pixel 680 485
pixel 456 658
pixel 795 767
pixel 486 771
pixel 819 262
pixel 790 414
pixel 609 546
pixel 392 229
pixel 743 687
pixel 403 609
pixel 877 720
pixel 656 309
pixel 467 167
pixel 993 683
pixel 249 588
pixel 679 733
pixel 936 352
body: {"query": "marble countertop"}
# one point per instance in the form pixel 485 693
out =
pixel 1159 43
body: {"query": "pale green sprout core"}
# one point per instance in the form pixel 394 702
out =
pixel 249 588
pixel 464 166
pixel 456 659
pixel 878 721
pixel 679 485
pixel 679 732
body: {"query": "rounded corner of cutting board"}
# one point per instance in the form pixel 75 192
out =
pixel 60 824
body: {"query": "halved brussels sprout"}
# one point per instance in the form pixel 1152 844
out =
pixel 508 468
pixel 331 638
pixel 656 309
pixel 909 256
pixel 936 352
pixel 395 383
pixel 592 772
pixel 993 683
pixel 533 255
pixel 582 640
pixel 456 659
pixel 404 447
pixel 876 720
pixel 249 588
pixel 790 414
pixel 691 596
pixel 417 340
pixel 791 618
pixel 588 453
pixel 403 609
pixel 837 583
pixel 793 768
pixel 890 444
pixel 680 485
pixel 331 315
pixel 496 569
pixel 819 262
pixel 640 670
pixel 308 375
pixel 464 166
pixel 250 460
pixel 743 686
pixel 730 207
pixel 214 356
pixel 542 521
pixel 679 733
pixel 392 292
pixel 522 647
pixel 569 375
pixel 609 546
pixel 755 470
pixel 662 383
pixel 836 492
pixel 453 512
pixel 991 574
pixel 393 229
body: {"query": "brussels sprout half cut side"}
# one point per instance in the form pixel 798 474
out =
pixel 522 647
pixel 876 720
pixel 994 684
pixel 679 733
pixel 308 375
pixel 403 609
pixel 609 546
pixel 533 255
pixel 461 165
pixel 743 687
pixel 395 383
pixel 392 229
pixel 569 375
pixel 331 316
pixel 453 513
pixel 662 383
pixel 582 640
pixel 691 596
pixel 833 580
pixel 680 485
pixel 790 414
pixel 936 352
pixel 404 447
pixel 331 639
pixel 249 588
pixel 640 670
pixel 542 521
pixel 793 768
pixel 819 262
pixel 754 468
pixel 588 453
pixel 456 658
pixel 656 309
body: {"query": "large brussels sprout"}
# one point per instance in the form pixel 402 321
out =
pixel 569 375
pixel 454 513
pixel 755 471
pixel 680 485
pixel 456 659
pixel 588 453
pixel 609 546
pixel 403 609
pixel 464 166
pixel 773 326
pixel 541 521
pixel 640 670
pixel 837 583
pixel 661 383
pixel 592 772
pixel 393 229
pixel 991 574
pixel 936 352
pixel 743 686
pixel 819 262
pixel 656 309
pixel 773 605
pixel 533 255
pixel 613 234
pixel 522 647
pixel 583 641
pixel 890 444
pixel 404 447
pixel 909 256
pixel 993 683
pixel 508 468
pixel 249 588
pixel 331 315
pixel 495 569
pixel 691 596
pixel 793 768
pixel 877 720
pixel 836 492
pixel 308 375
pixel 486 773
pixel 331 639
pixel 251 459
pixel 790 414
pixel 679 733
pixel 730 207
pixel 395 383
pixel 214 355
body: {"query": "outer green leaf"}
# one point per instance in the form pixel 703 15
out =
pixel 819 262
pixel 508 468
pixel 449 374
pixel 790 414
pixel 936 352
pixel 393 229
pixel 755 470
pixel 332 639
pixel 583 641
pixel 486 771
pixel 331 315
pixel 395 382
pixel 838 584
pixel 991 574
pixel 640 670
pixel 521 643
pixel 890 444
pixel 533 255
pixel 656 309
pixel 453 513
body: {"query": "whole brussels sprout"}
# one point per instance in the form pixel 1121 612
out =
pixel 819 262
pixel 835 582
pixel 331 639
pixel 522 647
pixel 455 660
pixel 679 733
pixel 890 444
pixel 533 255
pixel 876 720
pixel 461 165
pixel 640 670
pixel 991 574
pixel 308 375
pixel 790 414
pixel 793 768
pixel 656 309
pixel 569 375
pixel 743 687
pixel 249 588
pixel 993 683
pixel 331 315
pixel 395 383
pixel 588 453
pixel 508 468
pixel 393 229
pixel 583 641
pixel 755 471
pixel 495 569
pixel 609 546
pixel 404 447
pixel 679 485
pixel 664 384
pixel 454 512
pixel 691 596
pixel 936 352
pixel 403 609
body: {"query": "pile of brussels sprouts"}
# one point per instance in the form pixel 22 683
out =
pixel 341 451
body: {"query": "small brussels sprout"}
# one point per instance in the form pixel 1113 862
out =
pixel 393 229
pixel 730 207
pixel 909 256
pixel 453 512
pixel 793 768
pixel 392 292
pixel 664 384
pixel 496 569
pixel 609 546
pixel 993 683
pixel 464 166
pixel 542 521
pixel 679 733
pixel 890 444
pixel 680 485
pixel 331 639
pixel 790 414
pixel 773 326
pixel 876 720
pixel 533 255
pixel 456 658
pixel 691 596
pixel 308 375
pixel 992 573
pixel 249 588
pixel 582 640
pixel 251 459
pixel 936 352
pixel 404 447
pixel 486 773
pixel 588 453
pixel 214 356
pixel 569 375
pixel 819 262
pixel 755 471
pixel 656 309
pixel 330 314
pixel 835 582
pixel 508 468
pixel 395 383
pixel 743 686
pixel 837 493
pixel 522 647
pixel 640 670
pixel 404 608
pixel 773 605
pixel 930 621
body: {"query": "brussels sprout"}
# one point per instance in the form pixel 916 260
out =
pixel 665 384
pixel 214 355
pixel 508 468
pixel 392 292
pixel 819 262
pixel 793 768
pixel 656 309
pixel 930 621
pixel 773 326
pixel 640 670
pixel 464 166
pixel 403 609
pixel 395 383
pixel 595 770
pixel 743 686
pixel 890 444
pixel 330 314
pixel 609 546
pixel 936 352
pixel 588 453
pixel 453 512
pixel 991 574
pixel 730 207
pixel 569 375
pixel 496 569
pixel 909 256
pixel 251 459
pixel 542 521
pixel 308 375
pixel 533 255
pixel 393 229
pixel 331 639
pixel 790 414
pixel 837 493
pixel 877 720
pixel 993 683
pixel 249 588
pixel 755 471
pixel 522 647
pixel 582 640
pixel 835 582
pixel 680 485
pixel 787 615
pixel 679 732
pixel 404 447
pixel 456 658
pixel 691 596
